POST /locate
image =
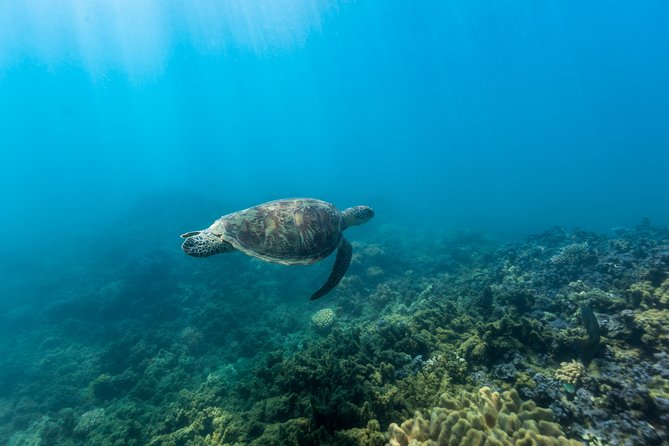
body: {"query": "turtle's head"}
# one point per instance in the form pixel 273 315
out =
pixel 357 215
pixel 204 244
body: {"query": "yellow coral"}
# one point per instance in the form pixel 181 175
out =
pixel 484 419
pixel 571 372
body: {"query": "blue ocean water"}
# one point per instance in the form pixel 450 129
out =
pixel 126 123
pixel 511 118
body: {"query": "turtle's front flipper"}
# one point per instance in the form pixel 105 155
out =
pixel 338 270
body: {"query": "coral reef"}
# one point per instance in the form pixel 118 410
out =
pixel 655 328
pixel 131 351
pixel 483 418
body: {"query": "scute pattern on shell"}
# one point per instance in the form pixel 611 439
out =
pixel 294 231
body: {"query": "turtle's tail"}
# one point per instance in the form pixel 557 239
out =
pixel 204 244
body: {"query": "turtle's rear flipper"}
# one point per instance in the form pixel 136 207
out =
pixel 338 270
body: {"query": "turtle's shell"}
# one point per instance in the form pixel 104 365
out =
pixel 290 232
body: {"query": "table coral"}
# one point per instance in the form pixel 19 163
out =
pixel 485 419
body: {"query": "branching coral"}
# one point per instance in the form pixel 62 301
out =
pixel 571 372
pixel 574 254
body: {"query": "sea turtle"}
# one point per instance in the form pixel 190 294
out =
pixel 297 231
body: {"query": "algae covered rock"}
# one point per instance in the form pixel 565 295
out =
pixel 484 419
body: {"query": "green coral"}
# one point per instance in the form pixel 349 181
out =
pixel 649 296
pixel 106 387
pixel 484 419
pixel 473 349
pixel 292 432
pixel 371 435
pixel 514 334
pixel 651 318
pixel 208 426
pixel 653 322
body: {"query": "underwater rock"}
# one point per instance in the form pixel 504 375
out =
pixel 487 417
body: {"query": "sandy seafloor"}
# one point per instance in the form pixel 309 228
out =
pixel 431 338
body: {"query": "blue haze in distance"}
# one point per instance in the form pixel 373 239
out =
pixel 505 117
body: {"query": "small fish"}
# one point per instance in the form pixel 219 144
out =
pixel 569 388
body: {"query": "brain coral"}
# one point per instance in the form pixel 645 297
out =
pixel 323 319
pixel 484 419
